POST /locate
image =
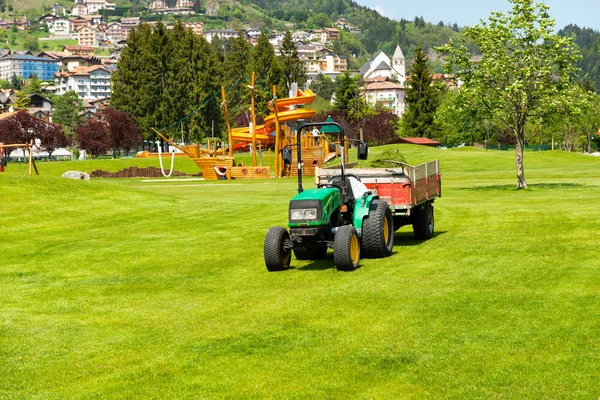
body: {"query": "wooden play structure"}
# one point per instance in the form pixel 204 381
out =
pixel 28 146
pixel 217 161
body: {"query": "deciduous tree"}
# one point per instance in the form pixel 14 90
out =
pixel 51 137
pixel 93 137
pixel 525 69
pixel 123 130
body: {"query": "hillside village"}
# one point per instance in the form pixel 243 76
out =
pixel 77 67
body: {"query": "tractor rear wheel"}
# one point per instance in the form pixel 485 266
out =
pixel 277 249
pixel 310 252
pixel 378 231
pixel 346 248
pixel 423 222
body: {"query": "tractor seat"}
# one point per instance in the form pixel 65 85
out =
pixel 354 188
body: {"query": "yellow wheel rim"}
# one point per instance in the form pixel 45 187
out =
pixel 354 249
pixel 386 231
pixel 285 257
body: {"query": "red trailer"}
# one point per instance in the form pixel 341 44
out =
pixel 409 190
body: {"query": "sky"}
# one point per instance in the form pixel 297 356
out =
pixel 585 13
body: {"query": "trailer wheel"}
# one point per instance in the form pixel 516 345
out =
pixel 310 252
pixel 378 231
pixel 346 248
pixel 423 222
pixel 277 249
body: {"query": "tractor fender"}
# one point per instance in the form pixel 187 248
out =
pixel 362 207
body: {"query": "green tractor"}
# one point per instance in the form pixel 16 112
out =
pixel 342 214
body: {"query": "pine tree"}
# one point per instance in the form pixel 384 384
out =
pixel 268 73
pixel 422 100
pixel 236 69
pixel 293 69
pixel 128 85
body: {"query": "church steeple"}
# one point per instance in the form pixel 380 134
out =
pixel 399 64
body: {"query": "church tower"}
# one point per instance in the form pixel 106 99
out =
pixel 399 65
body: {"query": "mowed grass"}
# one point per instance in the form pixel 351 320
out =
pixel 138 288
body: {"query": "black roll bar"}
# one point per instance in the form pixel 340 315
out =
pixel 299 149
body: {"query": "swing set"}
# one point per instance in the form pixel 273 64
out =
pixel 28 146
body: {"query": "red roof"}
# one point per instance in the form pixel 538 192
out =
pixel 418 140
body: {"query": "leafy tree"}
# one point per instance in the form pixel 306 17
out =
pixel 293 69
pixel 33 86
pixel 321 20
pixel 123 130
pixel 20 128
pixel 379 127
pixel 350 100
pixel 422 100
pixel 348 89
pixel 16 82
pixel 32 44
pixel 21 101
pixel 323 86
pixel 51 137
pixel 66 111
pixel 93 137
pixel 525 68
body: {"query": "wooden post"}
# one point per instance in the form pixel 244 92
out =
pixel 30 156
pixel 253 122
pixel 226 113
pixel 277 133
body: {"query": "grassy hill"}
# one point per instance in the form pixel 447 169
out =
pixel 145 288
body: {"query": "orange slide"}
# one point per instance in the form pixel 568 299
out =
pixel 265 133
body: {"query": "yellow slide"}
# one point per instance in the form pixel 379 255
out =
pixel 265 133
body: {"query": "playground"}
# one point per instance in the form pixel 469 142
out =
pixel 156 288
pixel 276 136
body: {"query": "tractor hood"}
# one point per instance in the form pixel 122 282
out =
pixel 314 207
pixel 316 194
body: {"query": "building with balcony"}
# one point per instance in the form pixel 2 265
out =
pixel 26 66
pixel 78 51
pixel 221 33
pixel 128 24
pixel 88 82
pixel 89 36
pixel 197 27
pixel 384 93
pixel 114 32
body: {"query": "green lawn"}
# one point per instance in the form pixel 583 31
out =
pixel 138 288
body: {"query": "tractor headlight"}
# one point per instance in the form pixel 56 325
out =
pixel 305 211
pixel 303 214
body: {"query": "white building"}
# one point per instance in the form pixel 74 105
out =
pixel 60 27
pixel 221 33
pixel 93 6
pixel 381 66
pixel 88 82
pixel 385 93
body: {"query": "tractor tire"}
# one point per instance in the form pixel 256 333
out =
pixel 310 253
pixel 378 231
pixel 423 222
pixel 277 250
pixel 346 248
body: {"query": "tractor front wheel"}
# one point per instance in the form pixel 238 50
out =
pixel 378 231
pixel 346 248
pixel 278 249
